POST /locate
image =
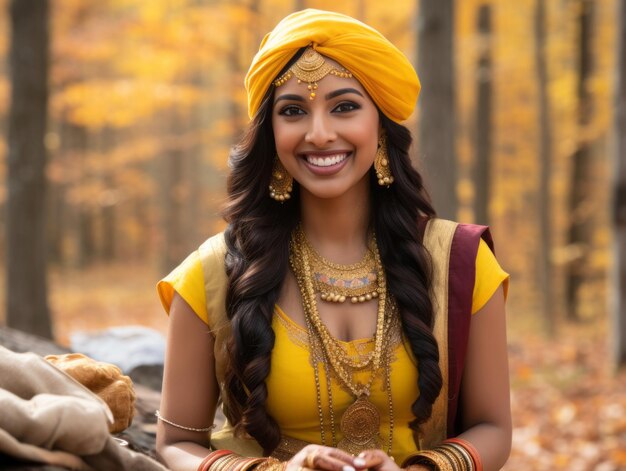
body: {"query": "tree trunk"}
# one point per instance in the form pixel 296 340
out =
pixel 482 173
pixel 173 207
pixel 619 197
pixel 27 300
pixel 580 231
pixel 437 121
pixel 545 151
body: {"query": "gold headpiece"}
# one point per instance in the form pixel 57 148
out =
pixel 310 68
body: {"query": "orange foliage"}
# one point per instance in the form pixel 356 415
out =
pixel 138 87
pixel 129 73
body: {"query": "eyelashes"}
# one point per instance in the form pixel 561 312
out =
pixel 346 106
pixel 291 110
pixel 295 110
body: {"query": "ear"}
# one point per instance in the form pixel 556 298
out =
pixel 381 134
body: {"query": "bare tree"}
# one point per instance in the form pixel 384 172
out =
pixel 581 224
pixel 619 196
pixel 437 123
pixel 27 300
pixel 482 167
pixel 545 151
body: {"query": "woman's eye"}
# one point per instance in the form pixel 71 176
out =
pixel 291 110
pixel 346 106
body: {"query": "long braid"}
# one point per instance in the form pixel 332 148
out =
pixel 397 210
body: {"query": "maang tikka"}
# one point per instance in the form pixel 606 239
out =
pixel 281 183
pixel 381 162
pixel 310 68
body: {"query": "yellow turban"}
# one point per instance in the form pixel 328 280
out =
pixel 382 69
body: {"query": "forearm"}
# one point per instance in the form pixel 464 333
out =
pixel 493 443
pixel 484 446
pixel 182 456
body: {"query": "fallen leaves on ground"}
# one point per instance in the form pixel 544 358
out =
pixel 569 406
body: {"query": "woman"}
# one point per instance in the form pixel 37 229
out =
pixel 332 317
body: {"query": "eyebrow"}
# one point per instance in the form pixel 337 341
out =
pixel 291 97
pixel 328 96
pixel 342 91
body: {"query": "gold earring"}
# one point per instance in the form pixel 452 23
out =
pixel 281 184
pixel 381 163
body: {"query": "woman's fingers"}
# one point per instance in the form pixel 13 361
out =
pixel 329 459
pixel 315 457
pixel 376 459
pixel 373 458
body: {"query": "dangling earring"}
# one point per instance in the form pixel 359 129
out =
pixel 381 162
pixel 281 183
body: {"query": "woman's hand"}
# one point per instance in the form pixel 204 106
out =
pixel 376 460
pixel 317 457
pixel 313 457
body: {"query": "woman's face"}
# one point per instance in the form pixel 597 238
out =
pixel 327 144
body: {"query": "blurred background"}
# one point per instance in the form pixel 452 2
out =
pixel 113 158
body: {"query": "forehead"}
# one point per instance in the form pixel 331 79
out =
pixel 327 83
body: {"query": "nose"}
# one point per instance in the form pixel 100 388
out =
pixel 320 131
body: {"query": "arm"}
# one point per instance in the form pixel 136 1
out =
pixel 190 390
pixel 484 392
pixel 485 387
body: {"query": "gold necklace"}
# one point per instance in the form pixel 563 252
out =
pixel 360 423
pixel 336 353
pixel 337 283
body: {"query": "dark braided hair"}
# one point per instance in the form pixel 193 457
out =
pixel 396 211
pixel 257 260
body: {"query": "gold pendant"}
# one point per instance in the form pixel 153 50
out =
pixel 360 426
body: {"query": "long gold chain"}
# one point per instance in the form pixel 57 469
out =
pixel 331 352
pixel 337 356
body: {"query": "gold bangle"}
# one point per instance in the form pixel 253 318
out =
pixel 218 464
pixel 223 464
pixel 456 461
pixel 440 460
pixel 270 464
pixel 470 449
pixel 423 460
pixel 414 467
pixel 211 458
pixel 461 453
pixel 158 415
pixel 247 463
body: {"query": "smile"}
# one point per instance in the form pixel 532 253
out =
pixel 327 160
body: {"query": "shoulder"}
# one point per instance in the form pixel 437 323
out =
pixel 465 252
pixel 212 257
pixel 460 239
pixel 200 280
pixel 213 249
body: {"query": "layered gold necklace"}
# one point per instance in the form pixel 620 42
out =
pixel 360 423
pixel 338 283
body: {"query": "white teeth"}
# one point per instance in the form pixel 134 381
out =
pixel 326 161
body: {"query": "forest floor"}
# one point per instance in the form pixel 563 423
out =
pixel 569 408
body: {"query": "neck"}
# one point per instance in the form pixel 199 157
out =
pixel 337 228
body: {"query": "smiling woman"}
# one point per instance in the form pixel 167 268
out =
pixel 339 322
pixel 326 129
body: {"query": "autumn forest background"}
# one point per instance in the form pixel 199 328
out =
pixel 520 126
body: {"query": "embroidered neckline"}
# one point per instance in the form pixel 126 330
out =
pixel 299 335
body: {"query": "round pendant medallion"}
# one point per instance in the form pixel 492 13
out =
pixel 360 425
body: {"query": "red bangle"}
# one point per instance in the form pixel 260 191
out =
pixel 471 449
pixel 211 458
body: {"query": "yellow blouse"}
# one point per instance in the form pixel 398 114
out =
pixel 291 385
